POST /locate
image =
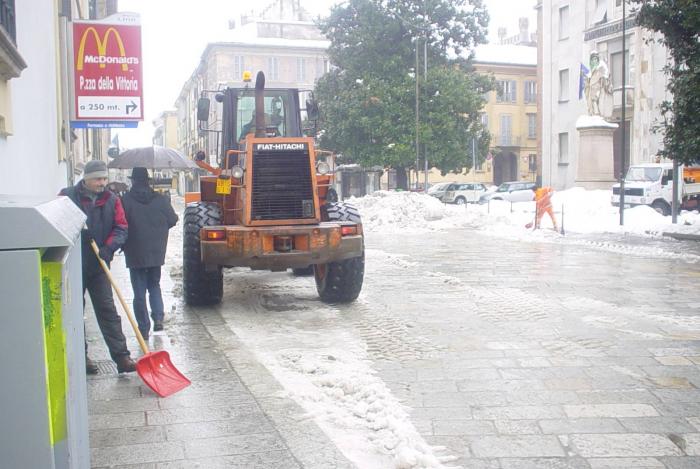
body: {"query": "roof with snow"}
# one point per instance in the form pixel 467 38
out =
pixel 505 54
pixel 274 42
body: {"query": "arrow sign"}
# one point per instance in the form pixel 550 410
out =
pixel 131 107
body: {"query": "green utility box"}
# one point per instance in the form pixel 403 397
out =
pixel 43 396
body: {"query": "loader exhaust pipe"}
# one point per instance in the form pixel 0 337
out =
pixel 260 105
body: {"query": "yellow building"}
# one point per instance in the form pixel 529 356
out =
pixel 510 113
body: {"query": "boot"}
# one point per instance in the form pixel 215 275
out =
pixel 125 364
pixel 90 367
pixel 157 326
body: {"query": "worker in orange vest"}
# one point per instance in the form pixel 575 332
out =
pixel 543 201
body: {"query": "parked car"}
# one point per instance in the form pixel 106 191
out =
pixel 514 191
pixel 438 190
pixel 461 193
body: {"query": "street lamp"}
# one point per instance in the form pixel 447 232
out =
pixel 424 30
pixel 623 156
pixel 417 116
pixel 425 78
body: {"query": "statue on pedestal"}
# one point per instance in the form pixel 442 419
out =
pixel 597 85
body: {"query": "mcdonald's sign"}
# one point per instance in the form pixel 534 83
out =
pixel 107 69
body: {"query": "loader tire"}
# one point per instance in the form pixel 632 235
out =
pixel 341 281
pixel 340 211
pixel 201 287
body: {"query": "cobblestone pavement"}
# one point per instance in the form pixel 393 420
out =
pixel 548 355
pixel 507 355
pixel 233 416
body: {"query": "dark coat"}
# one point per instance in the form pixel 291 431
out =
pixel 150 216
pixel 106 223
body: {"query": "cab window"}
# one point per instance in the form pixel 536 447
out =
pixel 277 122
pixel 667 177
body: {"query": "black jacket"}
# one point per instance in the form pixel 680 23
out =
pixel 150 216
pixel 106 223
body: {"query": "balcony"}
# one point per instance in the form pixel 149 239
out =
pixel 505 140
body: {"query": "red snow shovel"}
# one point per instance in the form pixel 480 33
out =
pixel 154 368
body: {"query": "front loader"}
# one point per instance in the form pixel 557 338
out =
pixel 270 204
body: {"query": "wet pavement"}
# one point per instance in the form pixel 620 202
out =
pixel 502 354
pixel 233 416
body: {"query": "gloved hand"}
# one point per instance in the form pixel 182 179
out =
pixel 106 254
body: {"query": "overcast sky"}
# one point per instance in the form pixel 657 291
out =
pixel 174 34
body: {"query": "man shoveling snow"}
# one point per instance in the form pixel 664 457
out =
pixel 543 201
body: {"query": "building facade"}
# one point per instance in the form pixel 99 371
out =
pixel 34 97
pixel 510 113
pixel 165 133
pixel 31 161
pixel 281 40
pixel 570 31
pixel 510 116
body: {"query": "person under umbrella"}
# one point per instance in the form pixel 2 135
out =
pixel 150 217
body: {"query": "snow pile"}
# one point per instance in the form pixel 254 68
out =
pixel 346 393
pixel 591 212
pixel 578 210
pixel 385 211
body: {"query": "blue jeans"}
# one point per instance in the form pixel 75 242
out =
pixel 142 280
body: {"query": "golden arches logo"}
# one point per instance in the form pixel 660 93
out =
pixel 101 47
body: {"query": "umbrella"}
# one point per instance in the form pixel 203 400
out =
pixel 153 157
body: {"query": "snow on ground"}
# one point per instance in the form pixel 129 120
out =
pixel 578 211
pixel 583 212
pixel 354 407
pixel 336 385
pixel 385 211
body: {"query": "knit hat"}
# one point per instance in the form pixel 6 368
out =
pixel 139 174
pixel 95 169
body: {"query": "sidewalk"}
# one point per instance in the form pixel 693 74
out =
pixel 233 415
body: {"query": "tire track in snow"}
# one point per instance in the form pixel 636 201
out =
pixel 324 367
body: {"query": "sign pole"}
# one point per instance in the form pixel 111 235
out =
pixel 675 206
pixel 474 159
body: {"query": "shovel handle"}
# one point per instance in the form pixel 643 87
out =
pixel 142 343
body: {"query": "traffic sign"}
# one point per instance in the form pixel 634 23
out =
pixel 114 106
pixel 107 69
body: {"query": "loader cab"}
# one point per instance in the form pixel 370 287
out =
pixel 283 114
pixel 281 107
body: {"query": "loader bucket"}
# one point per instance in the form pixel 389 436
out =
pixel 159 373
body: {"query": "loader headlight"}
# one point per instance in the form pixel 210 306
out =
pixel 236 172
pixel 323 168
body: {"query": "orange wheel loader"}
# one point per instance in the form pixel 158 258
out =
pixel 270 204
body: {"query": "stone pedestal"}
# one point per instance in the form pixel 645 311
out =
pixel 595 153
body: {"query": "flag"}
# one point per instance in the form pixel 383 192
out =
pixel 582 80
